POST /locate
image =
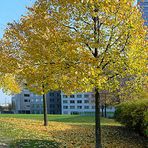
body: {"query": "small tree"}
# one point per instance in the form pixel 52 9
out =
pixel 31 43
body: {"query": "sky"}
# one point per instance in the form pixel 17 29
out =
pixel 11 10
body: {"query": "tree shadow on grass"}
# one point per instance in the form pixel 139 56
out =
pixel 29 143
pixel 120 136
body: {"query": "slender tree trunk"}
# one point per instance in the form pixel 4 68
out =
pixel 45 110
pixel 105 110
pixel 102 110
pixel 97 119
pixel 45 107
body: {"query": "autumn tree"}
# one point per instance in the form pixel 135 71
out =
pixel 8 65
pixel 111 41
pixel 31 43
pixel 78 45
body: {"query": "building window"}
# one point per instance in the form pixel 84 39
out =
pixel 79 96
pixel 93 107
pixel 37 106
pixel 37 100
pixel 86 101
pixel 86 95
pixel 79 107
pixel 51 94
pixel 79 101
pixel 58 94
pixel 64 96
pixel 72 107
pixel 72 96
pixel 26 100
pixel 72 101
pixel 65 101
pixel 86 107
pixel 51 100
pixel 26 95
pixel 65 107
pixel 27 105
pixel 52 106
pixel 92 95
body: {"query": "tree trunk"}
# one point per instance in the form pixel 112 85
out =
pixel 97 119
pixel 105 110
pixel 102 112
pixel 45 110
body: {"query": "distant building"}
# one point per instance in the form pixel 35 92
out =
pixel 21 102
pixel 54 102
pixel 36 104
pixel 27 102
pixel 80 103
pixel 57 103
pixel 77 103
pixel 144 7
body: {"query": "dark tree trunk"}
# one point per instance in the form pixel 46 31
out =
pixel 102 110
pixel 45 107
pixel 45 110
pixel 105 110
pixel 97 119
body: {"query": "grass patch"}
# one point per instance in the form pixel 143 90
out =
pixel 64 132
pixel 70 119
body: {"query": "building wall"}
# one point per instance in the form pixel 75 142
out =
pixel 81 103
pixel 77 103
pixel 27 102
pixel 22 102
pixel 57 103
pixel 36 104
pixel 54 102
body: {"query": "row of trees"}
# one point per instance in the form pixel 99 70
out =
pixel 76 46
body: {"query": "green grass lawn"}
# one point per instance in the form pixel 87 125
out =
pixel 69 119
pixel 63 131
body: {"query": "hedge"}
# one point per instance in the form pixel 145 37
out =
pixel 134 115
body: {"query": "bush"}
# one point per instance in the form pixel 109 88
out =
pixel 134 115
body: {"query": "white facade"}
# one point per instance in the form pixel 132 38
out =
pixel 77 103
pixel 81 103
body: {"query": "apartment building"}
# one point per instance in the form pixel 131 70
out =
pixel 22 102
pixel 77 103
pixel 36 104
pixel 54 102
pixel 80 103
pixel 29 103
pixel 57 103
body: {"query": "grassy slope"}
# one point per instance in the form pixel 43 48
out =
pixel 78 131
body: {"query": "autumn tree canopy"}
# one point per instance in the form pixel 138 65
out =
pixel 79 45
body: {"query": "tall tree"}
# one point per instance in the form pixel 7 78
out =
pixel 78 45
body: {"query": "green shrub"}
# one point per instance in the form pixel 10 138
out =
pixel 134 115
